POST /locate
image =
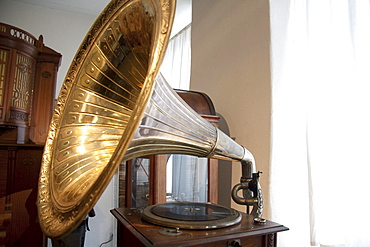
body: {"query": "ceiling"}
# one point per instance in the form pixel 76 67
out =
pixel 85 7
pixel 95 7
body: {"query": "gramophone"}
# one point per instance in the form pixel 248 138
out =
pixel 114 106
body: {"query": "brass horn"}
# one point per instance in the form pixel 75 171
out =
pixel 114 107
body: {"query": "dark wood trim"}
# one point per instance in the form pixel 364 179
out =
pixel 128 196
pixel 213 180
pixel 158 179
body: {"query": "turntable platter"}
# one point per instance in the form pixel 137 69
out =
pixel 191 215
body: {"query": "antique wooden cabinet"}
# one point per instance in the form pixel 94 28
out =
pixel 19 166
pixel 28 72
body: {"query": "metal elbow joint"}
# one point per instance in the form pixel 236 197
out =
pixel 250 187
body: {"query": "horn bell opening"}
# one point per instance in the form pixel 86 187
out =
pixel 99 107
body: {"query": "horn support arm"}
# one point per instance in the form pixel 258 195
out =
pixel 226 148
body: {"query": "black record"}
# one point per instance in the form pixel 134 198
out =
pixel 191 215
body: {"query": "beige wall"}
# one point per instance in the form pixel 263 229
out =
pixel 231 63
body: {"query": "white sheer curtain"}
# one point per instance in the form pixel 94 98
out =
pixel 189 178
pixel 177 61
pixel 320 164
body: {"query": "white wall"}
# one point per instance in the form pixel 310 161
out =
pixel 231 63
pixel 64 33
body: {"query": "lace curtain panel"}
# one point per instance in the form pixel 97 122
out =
pixel 321 121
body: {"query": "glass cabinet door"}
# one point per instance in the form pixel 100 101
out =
pixel 187 178
pixel 140 182
pixel 167 178
pixel 135 183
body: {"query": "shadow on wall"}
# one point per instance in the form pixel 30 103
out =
pixel 224 171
